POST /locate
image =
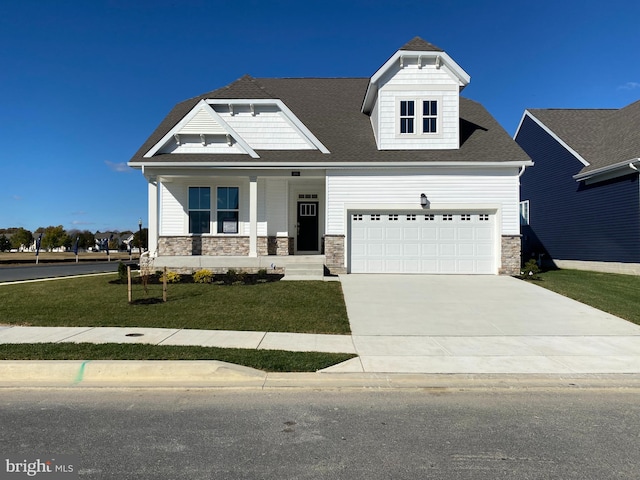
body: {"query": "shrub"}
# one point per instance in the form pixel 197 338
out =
pixel 530 270
pixel 172 277
pixel 233 277
pixel 122 272
pixel 262 274
pixel 203 276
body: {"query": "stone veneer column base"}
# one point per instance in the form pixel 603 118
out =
pixel 334 253
pixel 511 251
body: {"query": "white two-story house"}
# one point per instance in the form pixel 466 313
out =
pixel 395 173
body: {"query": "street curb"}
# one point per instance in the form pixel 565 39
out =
pixel 216 374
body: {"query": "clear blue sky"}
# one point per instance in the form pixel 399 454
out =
pixel 84 83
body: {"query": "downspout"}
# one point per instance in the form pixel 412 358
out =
pixel 522 169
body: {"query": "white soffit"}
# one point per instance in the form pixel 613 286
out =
pixel 203 120
pixel 442 59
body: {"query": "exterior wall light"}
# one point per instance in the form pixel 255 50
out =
pixel 424 201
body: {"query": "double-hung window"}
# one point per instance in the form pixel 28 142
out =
pixel 199 210
pixel 228 209
pixel 429 116
pixel 418 116
pixel 407 116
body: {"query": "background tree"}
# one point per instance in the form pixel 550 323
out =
pixel 53 237
pixel 136 239
pixel 5 244
pixel 21 237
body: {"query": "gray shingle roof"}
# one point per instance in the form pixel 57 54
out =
pixel 420 45
pixel 603 137
pixel 331 109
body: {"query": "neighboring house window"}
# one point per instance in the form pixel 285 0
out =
pixel 407 116
pixel 429 116
pixel 199 210
pixel 524 212
pixel 228 209
pixel 418 116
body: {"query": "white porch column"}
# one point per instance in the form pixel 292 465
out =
pixel 153 216
pixel 253 216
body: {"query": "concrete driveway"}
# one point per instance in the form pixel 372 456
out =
pixel 480 324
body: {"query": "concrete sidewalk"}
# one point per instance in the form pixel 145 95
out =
pixel 294 342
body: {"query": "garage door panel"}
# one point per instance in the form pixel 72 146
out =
pixel 448 243
pixel 393 249
pixel 411 250
pixel 484 233
pixel 429 233
pixel 393 234
pixel 447 233
pixel 411 233
pixel 374 233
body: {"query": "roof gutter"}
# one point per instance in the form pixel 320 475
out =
pixel 316 165
pixel 616 167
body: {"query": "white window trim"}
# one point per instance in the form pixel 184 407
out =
pixel 418 116
pixel 524 212
pixel 214 220
pixel 189 210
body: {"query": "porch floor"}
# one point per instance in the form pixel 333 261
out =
pixel 269 262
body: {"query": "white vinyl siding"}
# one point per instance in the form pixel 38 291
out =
pixel 272 204
pixel 426 83
pixel 276 201
pixel 265 129
pixel 173 201
pixel 390 188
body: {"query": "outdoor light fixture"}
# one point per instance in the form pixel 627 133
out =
pixel 423 200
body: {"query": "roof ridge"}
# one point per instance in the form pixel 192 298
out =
pixel 421 45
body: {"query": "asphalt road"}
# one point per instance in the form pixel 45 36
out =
pixel 32 272
pixel 292 434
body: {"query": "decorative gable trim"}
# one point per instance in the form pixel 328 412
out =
pixel 202 120
pixel 289 116
pixel 527 113
pixel 440 59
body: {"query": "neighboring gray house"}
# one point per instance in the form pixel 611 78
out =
pixel 582 199
pixel 393 173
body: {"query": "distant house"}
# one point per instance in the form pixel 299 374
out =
pixel 581 201
pixel 393 173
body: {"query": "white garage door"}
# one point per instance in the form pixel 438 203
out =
pixel 401 242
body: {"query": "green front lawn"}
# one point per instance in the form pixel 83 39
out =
pixel 304 307
pixel 616 294
pixel 268 360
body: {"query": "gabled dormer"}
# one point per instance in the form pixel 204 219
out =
pixel 239 119
pixel 413 99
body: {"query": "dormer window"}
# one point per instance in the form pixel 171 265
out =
pixel 429 116
pixel 407 116
pixel 418 116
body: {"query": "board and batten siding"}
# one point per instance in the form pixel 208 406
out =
pixel 570 220
pixel 489 187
